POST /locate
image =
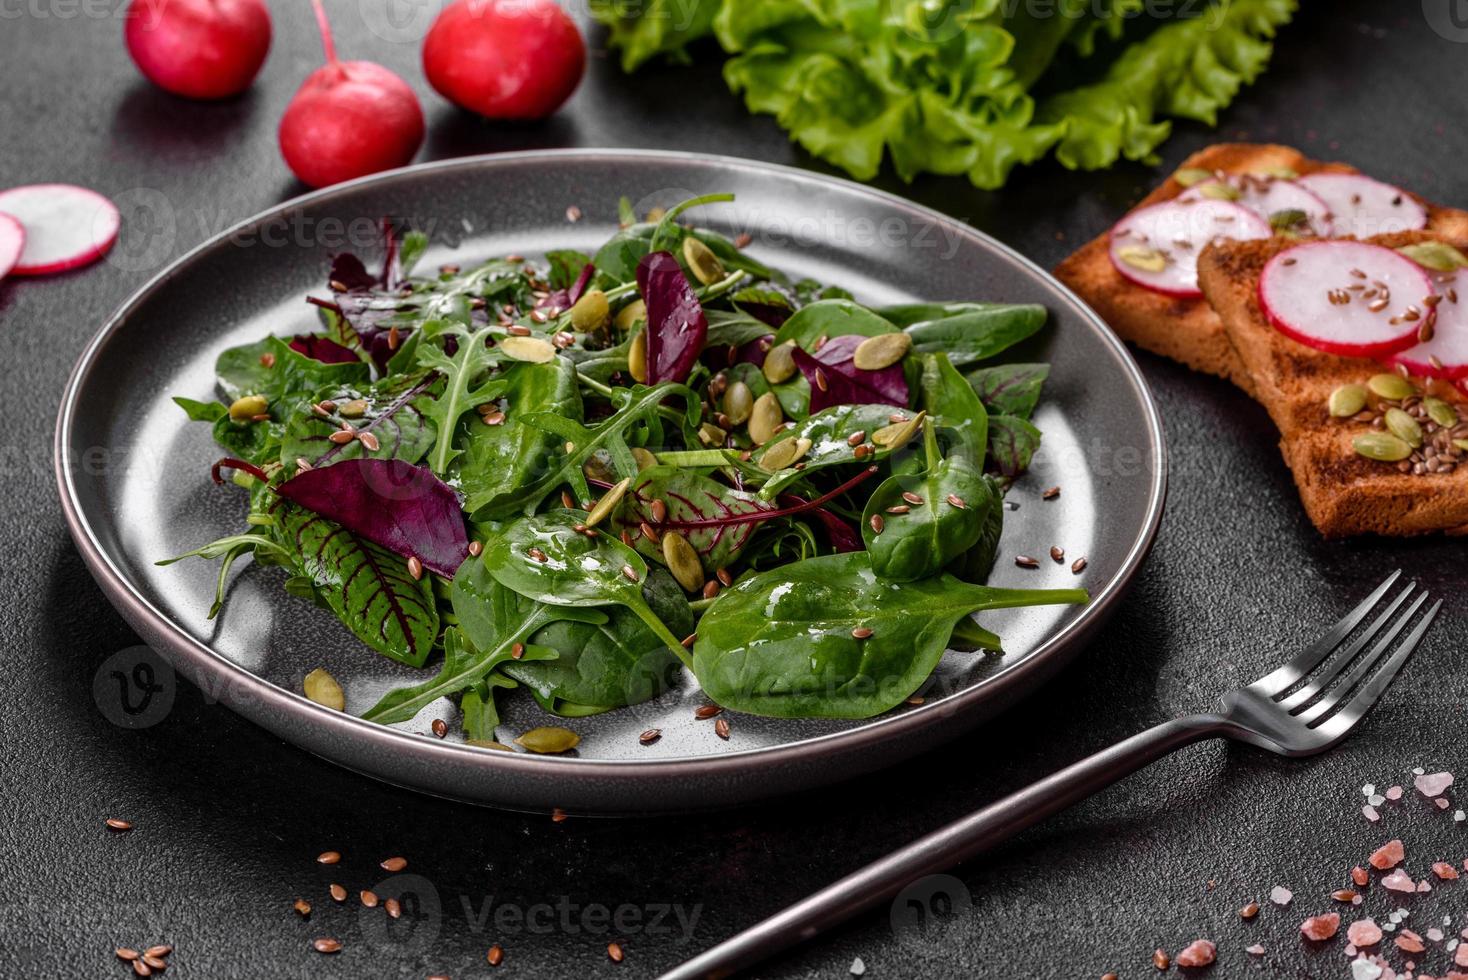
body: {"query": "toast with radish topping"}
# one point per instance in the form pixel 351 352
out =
pixel 1373 449
pixel 1140 275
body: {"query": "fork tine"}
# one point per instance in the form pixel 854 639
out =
pixel 1338 663
pixel 1363 666
pixel 1345 719
pixel 1281 679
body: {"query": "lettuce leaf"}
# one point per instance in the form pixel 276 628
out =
pixel 644 29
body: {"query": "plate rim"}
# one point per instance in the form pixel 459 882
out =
pixel 149 620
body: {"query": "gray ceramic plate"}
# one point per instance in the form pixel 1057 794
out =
pixel 134 484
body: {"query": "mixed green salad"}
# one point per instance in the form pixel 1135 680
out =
pixel 582 474
pixel 968 87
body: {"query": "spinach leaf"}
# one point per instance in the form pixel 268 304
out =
pixel 387 410
pixel 367 586
pixel 828 431
pixel 969 335
pixel 689 496
pixel 198 411
pixel 831 318
pixel 637 406
pixel 492 620
pixel 499 461
pixel 1010 389
pixel 285 377
pixel 927 520
pixel 610 664
pixel 544 557
pixel 764 303
pixel 732 328
pixel 1012 444
pixel 781 643
pixel 948 397
pixel 618 258
pixel 975 564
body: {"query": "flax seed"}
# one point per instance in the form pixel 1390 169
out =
pixel 142 969
pixel 369 442
pixel 127 955
pixel 629 573
pixel 821 382
pixel 856 438
pixel 327 945
pixel 573 213
pixel 393 908
pixel 956 501
pixel 303 908
pixel 369 899
pixel 1249 911
pixel 440 728
pixel 649 533
pixel 517 651
pixel 898 509
pixel 328 857
pixel 912 498
pixel 1057 554
pixel 1078 566
pixel 493 418
pixel 877 523
pixel 537 554
pixel 517 330
pixel 861 633
pixel 338 893
pixel 711 588
pixel 689 640
pixel 721 728
pixel 394 864
pixel 415 568
pixel 495 956
pixel 342 436
pixel 650 736
pixel 558 815
pixel 1025 561
pixel 120 826
pixel 614 952
pixel 476 548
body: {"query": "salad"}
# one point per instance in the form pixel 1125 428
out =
pixel 583 474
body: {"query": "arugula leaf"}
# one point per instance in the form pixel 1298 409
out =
pixel 1010 389
pixel 500 461
pixel 463 391
pixel 366 586
pixel 781 643
pixel 287 378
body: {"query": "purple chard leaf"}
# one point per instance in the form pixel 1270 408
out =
pixel 836 380
pixel 323 349
pixel 399 506
pixel 676 326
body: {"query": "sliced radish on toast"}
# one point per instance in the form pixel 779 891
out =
pixel 12 242
pixel 1157 246
pixel 65 226
pixel 1362 207
pixel 1283 203
pixel 1346 298
pixel 1445 354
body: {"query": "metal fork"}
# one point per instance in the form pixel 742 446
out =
pixel 1304 707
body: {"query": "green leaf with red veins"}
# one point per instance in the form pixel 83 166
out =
pixel 390 413
pixel 689 496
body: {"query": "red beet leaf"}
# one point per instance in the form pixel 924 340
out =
pixel 676 326
pixel 844 382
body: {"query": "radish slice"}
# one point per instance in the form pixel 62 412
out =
pixel 1158 246
pixel 66 226
pixel 1362 207
pixel 12 241
pixel 1347 298
pixel 1268 197
pixel 1446 354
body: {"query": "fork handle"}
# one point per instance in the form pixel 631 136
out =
pixel 961 840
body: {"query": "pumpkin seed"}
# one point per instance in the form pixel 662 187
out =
pixel 607 503
pixel 247 407
pixel 1281 173
pixel 1391 386
pixel 1219 191
pixel 702 261
pixel 531 349
pixel 643 458
pixel 738 403
pixel 765 418
pixel 784 453
pixel 1440 412
pixel 1437 256
pixel 322 688
pixel 1188 176
pixel 629 315
pixel 683 561
pixel 881 351
pixel 898 434
pixel 354 409
pixel 1404 427
pixel 549 740
pixel 1144 258
pixel 1381 446
pixel 1347 400
pixel 637 357
pixel 591 311
pixel 1461 444
pixel 485 743
pixel 780 363
pixel 711 435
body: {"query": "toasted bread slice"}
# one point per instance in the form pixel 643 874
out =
pixel 1343 492
pixel 1187 330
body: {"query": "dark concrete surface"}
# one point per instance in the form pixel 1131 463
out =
pixel 228 820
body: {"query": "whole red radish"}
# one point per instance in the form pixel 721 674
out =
pixel 505 59
pixel 200 49
pixel 349 119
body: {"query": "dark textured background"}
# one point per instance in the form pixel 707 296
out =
pixel 228 819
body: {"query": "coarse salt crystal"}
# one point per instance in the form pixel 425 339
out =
pixel 1255 950
pixel 1368 789
pixel 1444 870
pixel 858 967
pixel 1442 803
pixel 1320 927
pixel 1395 917
pixel 1395 793
pixel 1376 799
pixel 1460 816
pixel 1399 881
pixel 1369 812
pixel 1435 934
pixel 1200 952
pixel 1418 770
pixel 1280 895
pixel 1410 942
pixel 1359 875
pixel 1388 927
pixel 1388 855
pixel 1423 886
pixel 1460 958
pixel 1364 969
pixel 1363 933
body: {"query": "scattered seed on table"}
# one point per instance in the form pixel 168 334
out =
pixel 121 826
pixel 1051 493
pixel 155 962
pixel 495 956
pixel 706 711
pixel 1249 911
pixel 393 908
pixel 1025 561
pixel 558 815
pixel 394 864
pixel 1078 566
pixel 1057 553
pixel 573 213
pixel 861 632
pixel 303 908
pixel 326 945
pixel 1161 960
pixel 142 969
pixel 329 857
pixel 338 893
pixel 614 952
pixel 127 955
pixel 650 736
pixel 721 728
pixel 369 898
